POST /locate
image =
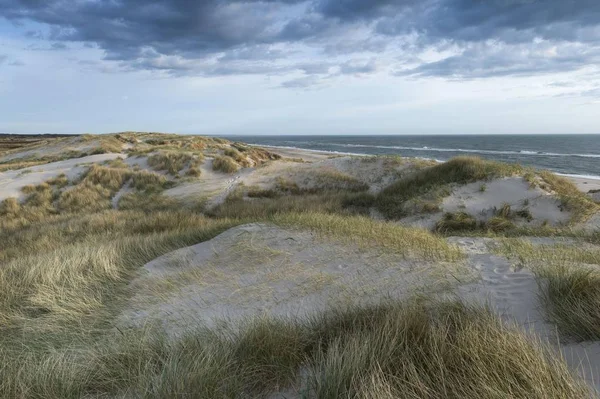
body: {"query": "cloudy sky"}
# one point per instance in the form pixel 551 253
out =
pixel 300 66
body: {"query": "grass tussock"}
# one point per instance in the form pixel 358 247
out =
pixel 149 182
pixel 571 297
pixel 572 199
pixel 399 350
pixel 569 283
pixel 465 223
pixel 95 190
pixel 172 162
pixel 59 181
pixel 459 170
pixel 10 207
pixel 225 164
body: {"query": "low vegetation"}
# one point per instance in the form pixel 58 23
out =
pixel 389 350
pixel 573 200
pixel 433 182
pixel 172 162
pixel 571 297
pixel 149 182
pixel 569 283
pixel 411 242
pixel 225 164
pixel 71 248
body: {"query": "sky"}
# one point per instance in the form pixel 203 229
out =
pixel 300 66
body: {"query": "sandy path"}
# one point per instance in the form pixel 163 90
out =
pixel 124 190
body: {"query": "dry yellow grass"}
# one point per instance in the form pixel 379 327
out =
pixel 225 164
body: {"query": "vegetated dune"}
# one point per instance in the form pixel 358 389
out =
pixel 145 264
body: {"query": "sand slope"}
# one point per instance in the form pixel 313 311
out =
pixel 11 182
pixel 257 268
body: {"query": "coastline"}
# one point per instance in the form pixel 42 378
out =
pixel 583 182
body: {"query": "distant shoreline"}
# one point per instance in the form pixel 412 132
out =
pixel 585 183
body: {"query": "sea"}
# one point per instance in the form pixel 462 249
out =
pixel 568 154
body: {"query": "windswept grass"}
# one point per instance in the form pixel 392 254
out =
pixel 59 181
pixel 573 200
pixel 448 350
pixel 225 164
pixel 332 180
pixel 410 242
pixel 406 350
pixel 10 207
pixel 266 203
pixel 95 190
pixel 465 223
pixel 149 182
pixel 147 201
pixel 571 297
pixel 569 284
pixel 459 170
pixel 454 222
pixel 172 162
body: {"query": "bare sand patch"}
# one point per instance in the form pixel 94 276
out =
pixel 262 269
pixel 483 199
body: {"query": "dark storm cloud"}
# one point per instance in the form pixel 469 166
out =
pixel 252 36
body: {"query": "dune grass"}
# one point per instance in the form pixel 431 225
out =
pixel 172 162
pixel 459 170
pixel 569 284
pixel 410 242
pixel 335 180
pixel 571 297
pixel 66 260
pixel 94 191
pixel 405 350
pixel 149 182
pixel 225 164
pixel 465 223
pixel 266 203
pixel 573 200
pixel 147 201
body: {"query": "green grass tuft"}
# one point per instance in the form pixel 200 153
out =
pixel 460 170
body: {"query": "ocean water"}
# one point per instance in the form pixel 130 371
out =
pixel 571 154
